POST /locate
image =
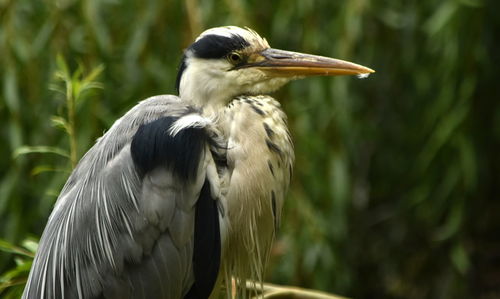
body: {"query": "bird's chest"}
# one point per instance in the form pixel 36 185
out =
pixel 259 158
pixel 259 147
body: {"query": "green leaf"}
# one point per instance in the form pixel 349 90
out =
pixel 11 92
pixel 59 122
pixel 453 224
pixel 47 168
pixel 57 88
pixel 17 275
pixel 30 244
pixel 94 74
pixel 460 259
pixel 40 149
pixel 442 15
pixel 62 67
pixel 88 83
pixel 6 246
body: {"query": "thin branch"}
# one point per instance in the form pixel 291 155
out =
pixel 273 291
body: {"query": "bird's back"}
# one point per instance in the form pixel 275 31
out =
pixel 123 227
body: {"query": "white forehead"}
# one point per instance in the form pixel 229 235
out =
pixel 229 31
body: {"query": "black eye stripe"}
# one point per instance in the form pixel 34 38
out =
pixel 217 46
pixel 212 47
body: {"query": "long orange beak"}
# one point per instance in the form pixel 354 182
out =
pixel 282 63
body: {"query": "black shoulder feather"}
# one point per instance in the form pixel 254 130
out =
pixel 152 146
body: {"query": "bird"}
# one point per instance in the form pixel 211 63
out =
pixel 184 192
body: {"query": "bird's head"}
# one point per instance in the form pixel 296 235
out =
pixel 225 62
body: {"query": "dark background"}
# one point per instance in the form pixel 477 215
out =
pixel 396 186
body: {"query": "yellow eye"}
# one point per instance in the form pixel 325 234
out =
pixel 235 57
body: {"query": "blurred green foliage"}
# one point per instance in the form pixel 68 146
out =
pixel 12 281
pixel 396 186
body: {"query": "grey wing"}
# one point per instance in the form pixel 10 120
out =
pixel 124 224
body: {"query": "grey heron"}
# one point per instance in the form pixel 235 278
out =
pixel 182 192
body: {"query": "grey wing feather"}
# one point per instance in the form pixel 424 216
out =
pixel 115 233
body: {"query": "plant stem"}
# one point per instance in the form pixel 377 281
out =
pixel 70 101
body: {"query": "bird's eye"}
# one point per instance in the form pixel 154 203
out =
pixel 234 57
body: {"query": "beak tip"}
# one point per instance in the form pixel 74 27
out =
pixel 366 70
